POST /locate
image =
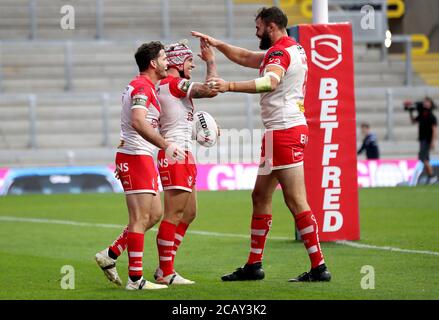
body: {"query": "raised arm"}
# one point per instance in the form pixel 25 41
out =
pixel 208 56
pixel 241 56
pixel 409 106
pixel 201 90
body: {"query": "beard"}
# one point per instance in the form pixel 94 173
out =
pixel 265 41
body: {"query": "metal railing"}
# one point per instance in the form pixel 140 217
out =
pixel 166 30
pixel 390 95
pixel 68 55
pixel 102 101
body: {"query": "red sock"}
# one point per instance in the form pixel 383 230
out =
pixel 309 232
pixel 260 226
pixel 120 244
pixel 179 235
pixel 135 253
pixel 165 244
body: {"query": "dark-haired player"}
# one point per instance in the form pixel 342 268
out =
pixel 135 165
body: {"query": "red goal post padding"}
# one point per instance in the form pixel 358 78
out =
pixel 330 156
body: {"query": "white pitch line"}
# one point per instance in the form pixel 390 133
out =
pixel 393 249
pixel 207 233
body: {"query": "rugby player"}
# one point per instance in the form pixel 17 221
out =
pixel 178 178
pixel 281 83
pixel 135 165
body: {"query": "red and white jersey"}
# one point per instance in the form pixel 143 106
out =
pixel 177 111
pixel 283 107
pixel 140 93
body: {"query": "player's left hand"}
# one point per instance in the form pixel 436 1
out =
pixel 432 146
pixel 218 84
pixel 207 53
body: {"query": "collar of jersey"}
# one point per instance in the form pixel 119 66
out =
pixel 282 40
pixel 141 76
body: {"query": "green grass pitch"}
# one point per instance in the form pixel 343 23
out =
pixel 33 252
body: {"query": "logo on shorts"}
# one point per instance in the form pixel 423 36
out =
pixel 126 182
pixel 297 155
pixel 327 58
pixel 153 183
pixel 189 181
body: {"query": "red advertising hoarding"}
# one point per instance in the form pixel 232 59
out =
pixel 330 156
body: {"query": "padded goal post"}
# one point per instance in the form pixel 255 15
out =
pixel 330 156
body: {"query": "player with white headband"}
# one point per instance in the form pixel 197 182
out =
pixel 175 94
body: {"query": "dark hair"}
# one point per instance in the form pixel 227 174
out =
pixel 146 53
pixel 273 14
pixel 365 125
pixel 433 105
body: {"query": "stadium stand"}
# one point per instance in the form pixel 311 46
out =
pixel 69 82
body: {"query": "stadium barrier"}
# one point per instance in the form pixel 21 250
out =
pixel 211 177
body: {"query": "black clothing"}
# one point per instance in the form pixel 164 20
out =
pixel 371 146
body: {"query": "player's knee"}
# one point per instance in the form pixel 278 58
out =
pixel 189 216
pixel 296 204
pixel 292 205
pixel 155 218
pixel 139 222
pixel 175 219
pixel 259 199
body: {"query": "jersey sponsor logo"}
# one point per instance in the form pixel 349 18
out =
pixel 277 53
pixel 140 100
pixel 321 47
pixel 184 85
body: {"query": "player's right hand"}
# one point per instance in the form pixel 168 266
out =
pixel 210 40
pixel 174 152
pixel 207 53
pixel 218 84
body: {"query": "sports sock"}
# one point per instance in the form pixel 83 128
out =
pixel 179 235
pixel 135 255
pixel 309 232
pixel 260 226
pixel 165 244
pixel 119 245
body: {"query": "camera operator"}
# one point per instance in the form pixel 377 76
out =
pixel 427 131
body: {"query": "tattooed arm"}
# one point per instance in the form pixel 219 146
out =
pixel 202 90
